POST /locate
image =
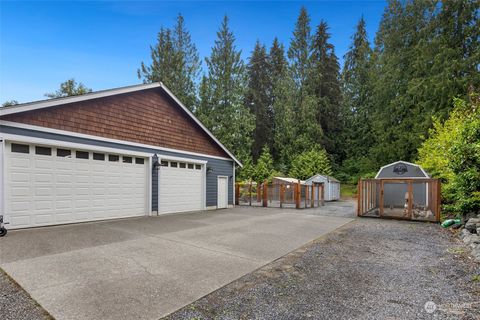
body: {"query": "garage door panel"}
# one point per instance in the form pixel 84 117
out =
pixel 180 189
pixel 43 190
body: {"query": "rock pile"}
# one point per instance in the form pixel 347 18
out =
pixel 471 235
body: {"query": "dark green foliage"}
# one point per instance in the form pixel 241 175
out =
pixel 222 91
pixel 452 154
pixel 175 62
pixel 357 114
pixel 264 168
pixel 69 88
pixel 258 99
pixel 310 163
pixel 299 50
pixel 9 103
pixel 426 53
pixel 324 85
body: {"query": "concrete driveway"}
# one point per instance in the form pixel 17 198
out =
pixel 145 268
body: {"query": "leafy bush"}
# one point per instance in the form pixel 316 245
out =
pixel 311 163
pixel 452 154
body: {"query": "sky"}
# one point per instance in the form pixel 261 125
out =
pixel 102 43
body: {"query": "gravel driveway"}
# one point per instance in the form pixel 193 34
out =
pixel 16 304
pixel 368 269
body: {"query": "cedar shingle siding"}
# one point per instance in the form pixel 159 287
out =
pixel 148 117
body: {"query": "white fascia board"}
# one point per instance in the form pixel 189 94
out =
pixel 199 123
pixel 88 96
pixel 172 158
pixel 66 144
pixel 97 138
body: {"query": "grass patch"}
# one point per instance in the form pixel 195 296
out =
pixel 348 190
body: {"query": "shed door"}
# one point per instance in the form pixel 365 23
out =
pixel 47 185
pixel 180 187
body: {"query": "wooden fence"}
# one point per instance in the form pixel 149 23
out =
pixel 280 195
pixel 408 199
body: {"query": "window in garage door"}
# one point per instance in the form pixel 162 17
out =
pixel 46 185
pixel 181 189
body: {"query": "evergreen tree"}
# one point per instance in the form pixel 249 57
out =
pixel 9 103
pixel 264 167
pixel 357 89
pixel 306 130
pixel 299 50
pixel 324 85
pixel 310 163
pixel 69 88
pixel 426 53
pixel 278 69
pixel 285 126
pixel 222 95
pixel 175 62
pixel 258 99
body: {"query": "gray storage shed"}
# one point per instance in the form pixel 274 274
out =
pixel 332 186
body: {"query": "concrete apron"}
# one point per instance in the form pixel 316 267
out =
pixel 146 268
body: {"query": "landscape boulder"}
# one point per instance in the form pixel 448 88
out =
pixel 472 224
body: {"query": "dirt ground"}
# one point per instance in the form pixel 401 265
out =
pixel 368 269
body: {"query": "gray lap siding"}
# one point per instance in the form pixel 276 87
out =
pixel 220 167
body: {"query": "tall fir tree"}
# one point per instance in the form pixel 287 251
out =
pixel 222 94
pixel 299 50
pixel 357 109
pixel 258 99
pixel 324 85
pixel 278 71
pixel 307 130
pixel 175 62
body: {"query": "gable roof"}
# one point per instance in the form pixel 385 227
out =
pixel 404 162
pixel 323 175
pixel 25 107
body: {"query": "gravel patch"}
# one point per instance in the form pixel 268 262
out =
pixel 368 269
pixel 16 304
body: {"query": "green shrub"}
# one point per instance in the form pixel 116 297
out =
pixel 452 154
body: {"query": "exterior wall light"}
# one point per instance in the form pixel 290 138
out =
pixel 156 164
pixel 209 169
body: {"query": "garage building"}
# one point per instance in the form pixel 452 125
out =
pixel 124 152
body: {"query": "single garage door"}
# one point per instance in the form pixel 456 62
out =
pixel 180 187
pixel 48 185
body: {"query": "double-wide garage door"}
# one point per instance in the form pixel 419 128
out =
pixel 48 185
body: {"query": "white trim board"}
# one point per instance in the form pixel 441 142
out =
pixel 112 92
pixel 97 138
pixel 58 143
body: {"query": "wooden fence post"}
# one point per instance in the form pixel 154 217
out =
pixel 265 193
pixel 439 200
pixel 312 200
pixel 297 195
pixel 237 193
pixel 359 213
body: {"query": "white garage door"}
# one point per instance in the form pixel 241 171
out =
pixel 180 187
pixel 48 185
